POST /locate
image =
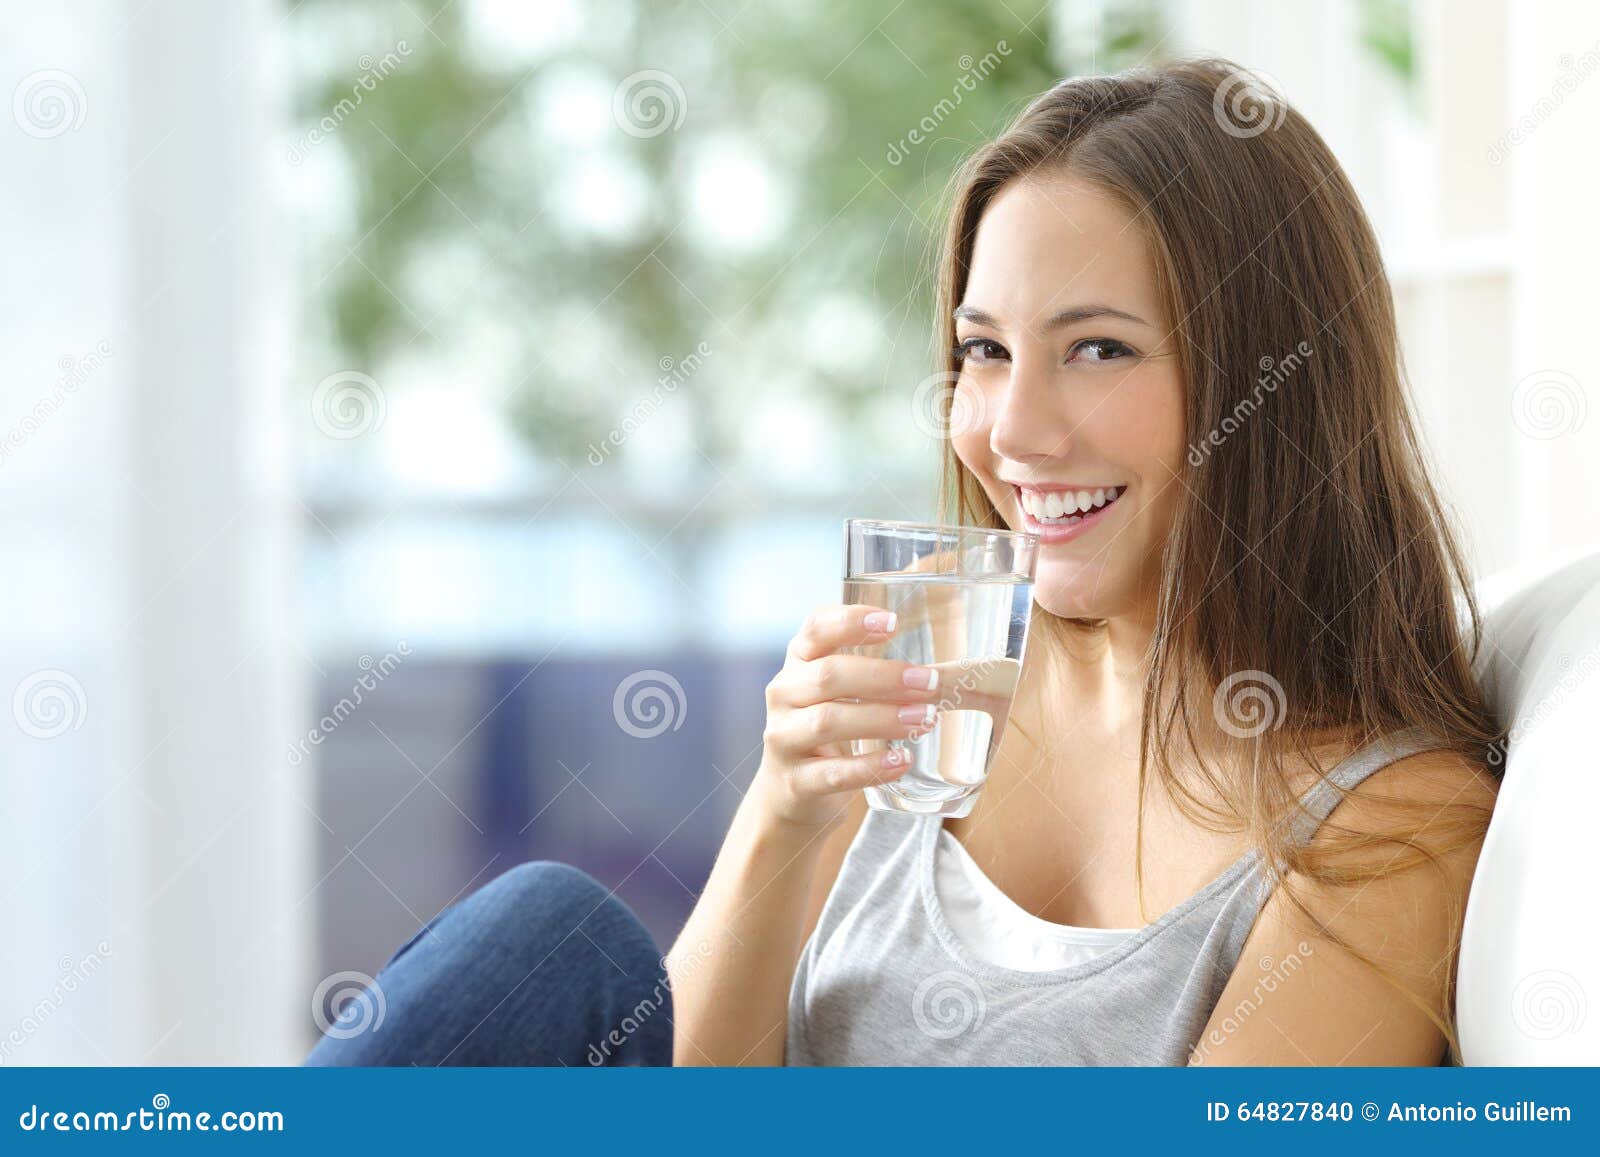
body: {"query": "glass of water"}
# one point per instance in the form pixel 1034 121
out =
pixel 964 597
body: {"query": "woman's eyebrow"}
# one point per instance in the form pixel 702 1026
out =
pixel 1064 317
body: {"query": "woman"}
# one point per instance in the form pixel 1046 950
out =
pixel 1235 817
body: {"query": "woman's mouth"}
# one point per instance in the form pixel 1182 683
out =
pixel 1057 515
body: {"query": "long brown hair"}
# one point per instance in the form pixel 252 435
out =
pixel 1310 555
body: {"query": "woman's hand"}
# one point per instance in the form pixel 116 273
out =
pixel 732 1009
pixel 822 700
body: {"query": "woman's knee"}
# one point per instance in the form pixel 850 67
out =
pixel 530 968
pixel 536 907
pixel 547 885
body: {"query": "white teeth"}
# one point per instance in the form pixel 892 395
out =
pixel 1066 506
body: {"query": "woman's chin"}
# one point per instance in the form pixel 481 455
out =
pixel 1070 603
pixel 1071 592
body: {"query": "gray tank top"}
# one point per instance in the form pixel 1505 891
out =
pixel 884 981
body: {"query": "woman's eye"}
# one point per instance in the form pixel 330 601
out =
pixel 979 350
pixel 1098 349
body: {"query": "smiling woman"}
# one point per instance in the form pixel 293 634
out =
pixel 1130 271
pixel 1063 309
pixel 1248 709
pixel 1235 813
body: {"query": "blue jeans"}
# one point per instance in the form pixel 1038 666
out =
pixel 541 966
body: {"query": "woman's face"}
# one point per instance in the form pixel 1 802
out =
pixel 1070 405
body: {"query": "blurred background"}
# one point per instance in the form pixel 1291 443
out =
pixel 424 422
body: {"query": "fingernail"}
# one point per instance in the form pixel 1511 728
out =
pixel 920 715
pixel 880 621
pixel 923 678
pixel 894 757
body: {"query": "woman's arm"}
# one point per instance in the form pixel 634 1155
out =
pixel 1297 998
pixel 734 960
pixel 733 963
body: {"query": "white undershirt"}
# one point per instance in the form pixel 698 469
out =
pixel 993 927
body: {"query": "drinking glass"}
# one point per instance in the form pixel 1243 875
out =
pixel 964 597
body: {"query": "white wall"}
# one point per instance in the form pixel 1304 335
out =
pixel 1490 243
pixel 1554 239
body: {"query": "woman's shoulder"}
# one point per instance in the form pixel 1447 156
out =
pixel 1437 775
pixel 1373 913
pixel 1417 791
pixel 1408 833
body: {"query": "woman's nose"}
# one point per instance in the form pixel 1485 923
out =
pixel 1030 424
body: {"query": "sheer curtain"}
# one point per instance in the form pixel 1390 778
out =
pixel 153 836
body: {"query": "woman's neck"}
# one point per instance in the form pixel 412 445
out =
pixel 1091 683
pixel 1101 671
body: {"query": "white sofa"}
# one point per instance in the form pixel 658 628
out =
pixel 1529 972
